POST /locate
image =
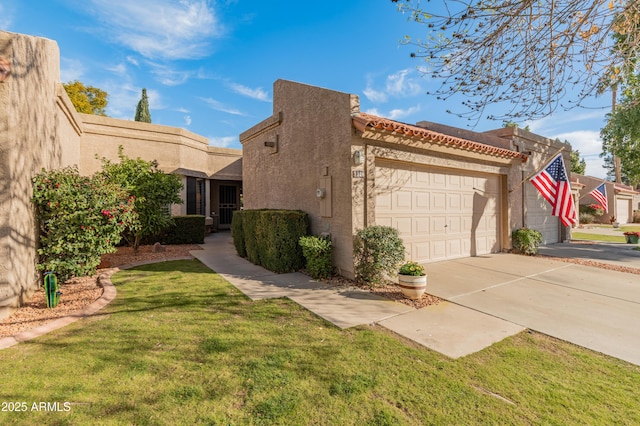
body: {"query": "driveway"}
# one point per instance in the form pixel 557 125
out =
pixel 595 308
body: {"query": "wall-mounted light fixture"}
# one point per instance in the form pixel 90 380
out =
pixel 273 144
pixel 321 193
pixel 5 69
pixel 358 158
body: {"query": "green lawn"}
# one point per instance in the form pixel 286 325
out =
pixel 586 235
pixel 181 346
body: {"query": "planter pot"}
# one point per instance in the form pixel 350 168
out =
pixel 411 286
pixel 631 239
pixel 616 224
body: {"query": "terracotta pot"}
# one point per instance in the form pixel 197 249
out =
pixel 412 287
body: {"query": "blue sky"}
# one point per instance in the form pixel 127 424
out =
pixel 209 66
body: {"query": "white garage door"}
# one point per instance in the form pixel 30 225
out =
pixel 440 213
pixel 623 210
pixel 538 215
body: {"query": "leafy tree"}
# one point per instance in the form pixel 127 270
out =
pixel 142 110
pixel 621 134
pixel 80 219
pixel 578 165
pixel 525 53
pixel 87 99
pixel 153 192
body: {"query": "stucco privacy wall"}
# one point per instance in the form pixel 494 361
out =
pixel 39 128
pixel 35 132
pixel 303 147
pixel 176 150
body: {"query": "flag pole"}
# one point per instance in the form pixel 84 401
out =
pixel 530 175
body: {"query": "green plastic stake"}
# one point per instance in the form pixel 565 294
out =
pixel 51 290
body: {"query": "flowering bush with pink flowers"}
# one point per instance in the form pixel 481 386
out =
pixel 80 219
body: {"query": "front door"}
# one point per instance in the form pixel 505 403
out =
pixel 228 202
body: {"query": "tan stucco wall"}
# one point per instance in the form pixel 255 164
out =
pixel 312 147
pixel 540 151
pixel 39 128
pixel 29 140
pixel 176 150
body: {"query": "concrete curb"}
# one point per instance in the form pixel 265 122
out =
pixel 108 295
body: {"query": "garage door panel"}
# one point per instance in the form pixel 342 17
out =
pixel 421 200
pixel 449 214
pixel 623 208
pixel 420 250
pixel 454 202
pixel 421 226
pixel 404 225
pixel 539 217
pixel 438 225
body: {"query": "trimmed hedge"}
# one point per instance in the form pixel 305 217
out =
pixel 189 229
pixel 185 230
pixel 269 238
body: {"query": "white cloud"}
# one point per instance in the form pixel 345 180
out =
pixel 187 120
pixel 183 110
pixel 167 75
pixel 166 29
pixel 6 18
pixel 589 144
pixel 132 60
pixel 398 85
pixel 258 93
pixel 396 114
pixel 219 106
pixel 71 70
pixel 120 69
pixel 223 142
pixel 375 96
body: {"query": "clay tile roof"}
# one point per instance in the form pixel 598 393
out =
pixel 362 121
pixel 621 188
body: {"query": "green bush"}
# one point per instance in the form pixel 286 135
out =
pixel 270 237
pixel 185 230
pixel 238 234
pixel 317 252
pixel 586 218
pixel 80 219
pixel 526 241
pixel 377 250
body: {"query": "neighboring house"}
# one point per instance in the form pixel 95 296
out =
pixel 622 199
pixel 450 192
pixel 39 128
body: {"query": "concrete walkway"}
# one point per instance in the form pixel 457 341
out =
pixel 447 327
pixel 488 298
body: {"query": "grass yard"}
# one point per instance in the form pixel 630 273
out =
pixel 181 346
pixel 586 235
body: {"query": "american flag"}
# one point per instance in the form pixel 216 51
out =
pixel 600 194
pixel 553 184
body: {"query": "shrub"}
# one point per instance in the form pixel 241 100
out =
pixel 526 241
pixel 270 237
pixel 317 252
pixel 636 216
pixel 185 230
pixel 411 268
pixel 592 209
pixel 377 250
pixel 586 218
pixel 80 219
pixel 238 234
pixel 153 190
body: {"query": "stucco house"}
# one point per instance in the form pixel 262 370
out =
pixel 450 192
pixel 39 128
pixel 622 200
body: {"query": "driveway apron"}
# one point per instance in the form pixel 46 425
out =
pixel 594 308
